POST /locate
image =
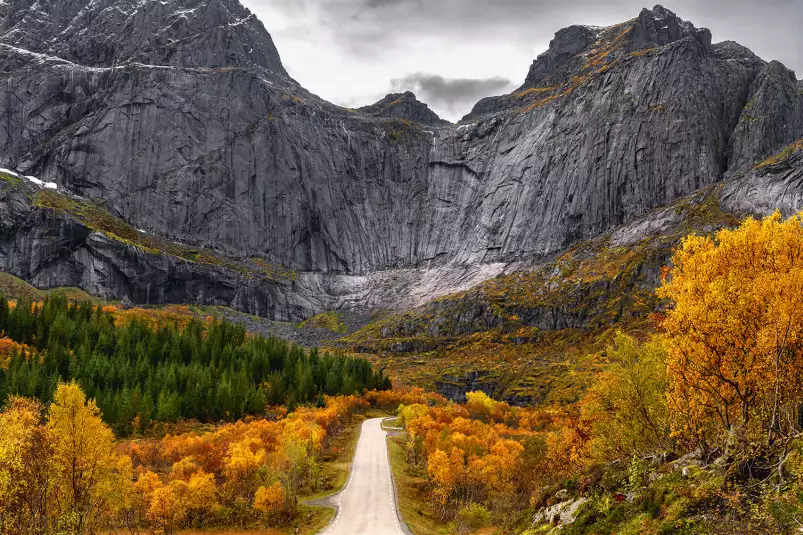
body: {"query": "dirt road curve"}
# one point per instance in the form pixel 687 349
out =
pixel 366 505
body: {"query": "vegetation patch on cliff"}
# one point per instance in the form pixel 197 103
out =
pixel 402 130
pixel 96 217
pixel 331 321
pixel 92 214
pixel 14 182
pixel 783 155
pixel 605 54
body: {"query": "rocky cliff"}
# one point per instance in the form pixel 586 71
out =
pixel 181 118
pixel 406 107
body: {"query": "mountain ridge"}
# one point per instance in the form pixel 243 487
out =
pixel 109 33
pixel 229 153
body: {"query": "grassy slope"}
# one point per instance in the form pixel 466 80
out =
pixel 310 520
pixel 331 321
pixel 16 288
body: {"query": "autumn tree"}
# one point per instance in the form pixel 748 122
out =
pixel 123 499
pixel 626 406
pixel 143 490
pixel 200 498
pixel 26 486
pixel 58 475
pixel 290 463
pixel 735 333
pixel 83 458
pixel 242 470
pixel 167 508
pixel 270 500
pixel 447 472
pixel 500 472
pixel 480 405
pixel 184 468
pixel 415 439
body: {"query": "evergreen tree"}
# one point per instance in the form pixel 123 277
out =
pixel 140 373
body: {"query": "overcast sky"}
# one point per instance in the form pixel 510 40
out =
pixel 453 52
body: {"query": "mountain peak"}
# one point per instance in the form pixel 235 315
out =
pixel 574 47
pixel 404 106
pixel 660 27
pixel 104 33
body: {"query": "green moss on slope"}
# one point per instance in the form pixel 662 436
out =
pixel 331 321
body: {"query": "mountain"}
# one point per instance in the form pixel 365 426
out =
pixel 404 106
pixel 115 33
pixel 190 167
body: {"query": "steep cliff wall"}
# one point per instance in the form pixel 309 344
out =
pixel 181 117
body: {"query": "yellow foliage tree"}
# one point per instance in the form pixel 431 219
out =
pixel 290 463
pixel 445 470
pixel 479 405
pixel 626 406
pixel 242 464
pixel 184 468
pixel 83 458
pixel 735 329
pixel 500 471
pixel 167 507
pixel 200 498
pixel 415 439
pixel 408 413
pixel 449 477
pixel 147 482
pixel 270 500
pixel 123 496
pixel 568 448
pixel 25 469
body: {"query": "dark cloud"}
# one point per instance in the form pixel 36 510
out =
pixel 454 95
pixel 350 50
pixel 374 4
pixel 771 28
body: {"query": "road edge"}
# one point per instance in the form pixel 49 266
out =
pixel 402 524
pixel 330 501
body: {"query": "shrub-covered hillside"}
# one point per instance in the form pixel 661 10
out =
pixel 696 430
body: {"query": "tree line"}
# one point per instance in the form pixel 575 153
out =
pixel 140 373
pixel 62 470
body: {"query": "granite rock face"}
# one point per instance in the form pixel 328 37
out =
pixel 54 250
pixel 772 117
pixel 181 117
pixel 778 186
